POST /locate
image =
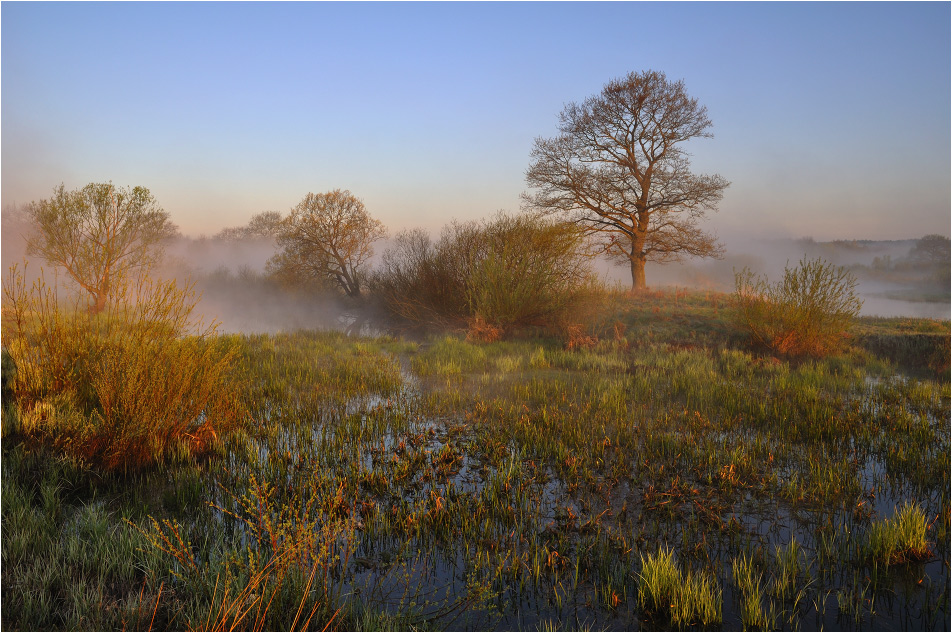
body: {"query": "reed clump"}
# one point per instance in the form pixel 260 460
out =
pixel 808 313
pixel 898 540
pixel 753 612
pixel 692 598
pixel 131 386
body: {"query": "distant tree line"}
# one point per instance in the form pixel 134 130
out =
pixel 930 254
pixel 618 170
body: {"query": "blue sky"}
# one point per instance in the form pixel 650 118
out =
pixel 830 120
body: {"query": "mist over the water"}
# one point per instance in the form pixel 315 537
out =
pixel 898 296
pixel 230 275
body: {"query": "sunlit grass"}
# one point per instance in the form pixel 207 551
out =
pixel 692 598
pixel 69 566
pixel 899 539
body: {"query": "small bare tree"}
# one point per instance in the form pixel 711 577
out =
pixel 99 234
pixel 618 169
pixel 327 239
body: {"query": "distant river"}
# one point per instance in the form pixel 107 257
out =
pixel 881 306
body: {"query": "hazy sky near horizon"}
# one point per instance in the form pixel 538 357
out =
pixel 831 120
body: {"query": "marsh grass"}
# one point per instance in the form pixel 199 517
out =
pixel 788 563
pixel 69 565
pixel 918 345
pixel 691 598
pixel 899 539
pixel 281 579
pixel 462 485
pixel 753 612
pixel 772 591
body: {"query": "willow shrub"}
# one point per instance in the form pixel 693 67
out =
pixel 491 277
pixel 808 313
pixel 136 384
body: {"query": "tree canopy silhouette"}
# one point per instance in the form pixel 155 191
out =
pixel 327 239
pixel 619 168
pixel 98 234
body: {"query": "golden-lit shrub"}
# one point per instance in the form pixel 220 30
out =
pixel 131 386
pixel 808 313
pixel 286 568
pixel 491 277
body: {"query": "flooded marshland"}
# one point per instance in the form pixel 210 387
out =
pixel 667 478
pixel 522 486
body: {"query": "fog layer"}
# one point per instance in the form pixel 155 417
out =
pixel 230 275
pixel 885 292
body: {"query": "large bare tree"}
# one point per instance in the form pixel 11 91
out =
pixel 327 239
pixel 619 168
pixel 99 234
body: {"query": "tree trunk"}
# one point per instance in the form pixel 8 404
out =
pixel 638 274
pixel 347 278
pixel 98 304
pixel 101 294
pixel 637 257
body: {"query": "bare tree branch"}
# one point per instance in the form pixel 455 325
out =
pixel 618 169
